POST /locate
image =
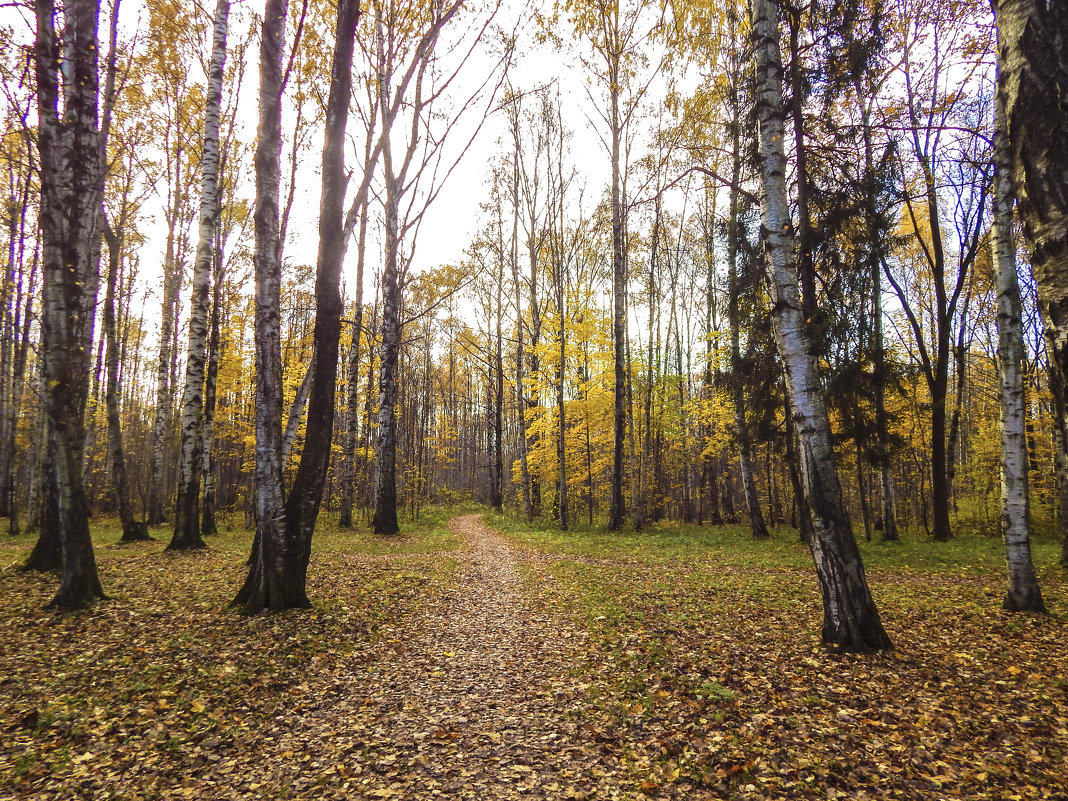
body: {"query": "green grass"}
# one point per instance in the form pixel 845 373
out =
pixel 703 664
pixel 731 546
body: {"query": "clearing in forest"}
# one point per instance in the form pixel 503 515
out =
pixel 461 662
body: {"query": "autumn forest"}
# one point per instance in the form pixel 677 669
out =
pixel 567 361
pixel 601 354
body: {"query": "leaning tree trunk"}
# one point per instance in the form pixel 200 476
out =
pixel 269 585
pixel 851 621
pixel 71 180
pixel 1023 592
pixel 191 451
pixel 305 496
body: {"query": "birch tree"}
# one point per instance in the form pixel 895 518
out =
pixel 278 575
pixel 1023 591
pixel 850 619
pixel 1032 82
pixel 167 65
pixel 187 534
pixel 267 585
pixel 71 176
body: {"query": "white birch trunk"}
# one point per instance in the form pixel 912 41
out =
pixel 71 175
pixel 851 621
pixel 265 587
pixel 1023 592
pixel 190 455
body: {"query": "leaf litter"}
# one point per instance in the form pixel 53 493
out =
pixel 500 671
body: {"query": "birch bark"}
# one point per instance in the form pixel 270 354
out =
pixel 71 179
pixel 851 621
pixel 1023 593
pixel 267 587
pixel 1032 84
pixel 190 455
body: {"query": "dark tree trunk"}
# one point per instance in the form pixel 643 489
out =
pixel 208 525
pixel 71 177
pixel 305 496
pixel 133 530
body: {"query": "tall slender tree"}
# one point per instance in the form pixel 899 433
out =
pixel 850 619
pixel 72 185
pixel 269 584
pixel 1032 82
pixel 1023 592
pixel 190 457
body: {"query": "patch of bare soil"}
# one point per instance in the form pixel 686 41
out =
pixel 478 697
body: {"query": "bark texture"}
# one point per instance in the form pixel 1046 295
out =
pixel 269 585
pixel 191 451
pixel 1023 593
pixel 1032 84
pixel 133 530
pixel 71 177
pixel 305 496
pixel 851 620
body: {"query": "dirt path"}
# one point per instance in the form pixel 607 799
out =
pixel 475 702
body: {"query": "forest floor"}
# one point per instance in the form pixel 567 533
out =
pixel 463 661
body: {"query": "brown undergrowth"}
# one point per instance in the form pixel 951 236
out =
pixel 131 697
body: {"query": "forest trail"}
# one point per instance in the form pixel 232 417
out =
pixel 473 703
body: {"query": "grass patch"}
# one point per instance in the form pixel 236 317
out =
pixel 705 676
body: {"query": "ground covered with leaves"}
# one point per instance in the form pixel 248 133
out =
pixel 706 682
pixel 454 662
pixel 140 694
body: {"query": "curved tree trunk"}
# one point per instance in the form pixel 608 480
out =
pixel 305 496
pixel 851 621
pixel 191 451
